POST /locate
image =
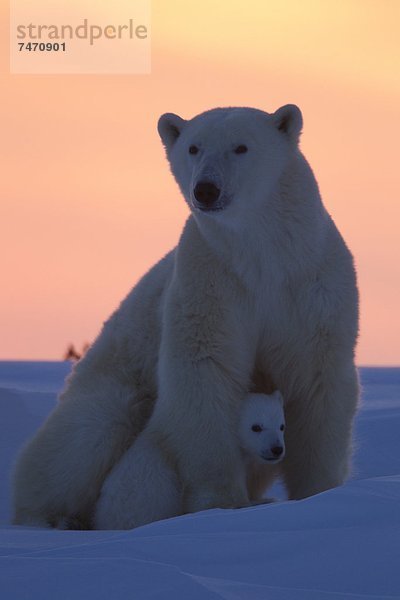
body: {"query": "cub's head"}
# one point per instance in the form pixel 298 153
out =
pixel 261 427
pixel 227 158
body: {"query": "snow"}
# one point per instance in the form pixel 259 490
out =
pixel 344 543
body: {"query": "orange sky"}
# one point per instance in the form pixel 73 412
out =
pixel 87 200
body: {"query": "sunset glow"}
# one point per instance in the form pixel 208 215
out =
pixel 87 200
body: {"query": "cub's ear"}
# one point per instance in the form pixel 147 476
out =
pixel 169 128
pixel 288 119
pixel 278 396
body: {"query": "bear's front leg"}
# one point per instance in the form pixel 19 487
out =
pixel 203 377
pixel 319 433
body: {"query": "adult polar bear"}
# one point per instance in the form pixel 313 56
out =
pixel 259 294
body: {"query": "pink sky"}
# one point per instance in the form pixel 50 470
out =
pixel 87 200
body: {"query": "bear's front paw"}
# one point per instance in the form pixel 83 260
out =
pixel 206 499
pixel 74 522
pixel 263 501
pixel 257 502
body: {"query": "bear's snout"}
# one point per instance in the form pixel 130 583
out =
pixel 273 453
pixel 206 194
pixel 277 451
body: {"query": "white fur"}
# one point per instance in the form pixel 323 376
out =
pixel 258 295
pixel 144 487
pixel 261 428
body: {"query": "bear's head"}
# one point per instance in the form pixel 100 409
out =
pixel 227 158
pixel 261 427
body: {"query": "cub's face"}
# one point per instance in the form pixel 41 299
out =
pixel 229 159
pixel 262 426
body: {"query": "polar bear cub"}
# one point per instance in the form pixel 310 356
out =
pixel 144 486
pixel 261 428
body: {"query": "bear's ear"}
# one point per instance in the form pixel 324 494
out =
pixel 169 128
pixel 288 119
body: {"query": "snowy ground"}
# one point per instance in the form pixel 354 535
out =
pixel 341 544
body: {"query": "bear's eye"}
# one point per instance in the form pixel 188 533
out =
pixel 241 149
pixel 282 427
pixel 256 428
pixel 193 149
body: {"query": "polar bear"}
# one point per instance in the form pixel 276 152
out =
pixel 259 294
pixel 144 487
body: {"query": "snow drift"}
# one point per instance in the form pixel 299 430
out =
pixel 344 543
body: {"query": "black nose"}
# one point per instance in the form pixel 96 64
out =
pixel 206 193
pixel 277 450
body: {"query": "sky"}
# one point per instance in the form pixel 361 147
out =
pixel 87 202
